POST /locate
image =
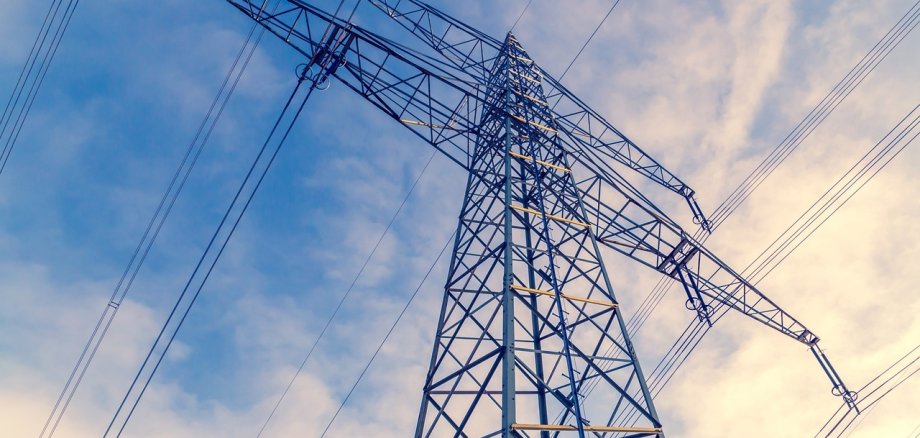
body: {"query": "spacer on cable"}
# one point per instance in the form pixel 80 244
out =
pixel 851 396
pixel 302 71
pixel 837 391
pixel 321 81
pixel 706 310
pixel 693 303
pixel 704 223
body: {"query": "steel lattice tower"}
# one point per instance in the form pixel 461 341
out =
pixel 529 316
pixel 530 339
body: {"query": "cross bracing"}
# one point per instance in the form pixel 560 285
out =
pixel 529 316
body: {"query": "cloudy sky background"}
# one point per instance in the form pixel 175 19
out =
pixel 706 87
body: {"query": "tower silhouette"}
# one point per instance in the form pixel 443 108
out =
pixel 530 338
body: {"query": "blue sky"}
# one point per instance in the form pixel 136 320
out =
pixel 706 87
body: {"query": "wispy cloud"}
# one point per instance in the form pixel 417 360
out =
pixel 706 87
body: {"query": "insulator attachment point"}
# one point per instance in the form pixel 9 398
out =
pixel 693 303
pixel 314 74
pixel 704 223
pixel 851 397
pixel 303 71
pixel 848 396
pixel 706 311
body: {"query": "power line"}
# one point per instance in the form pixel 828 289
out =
pixel 841 91
pixel 890 367
pixel 201 262
pixel 915 432
pixel 345 296
pixel 223 245
pixel 302 75
pixel 29 64
pixel 590 37
pixel 867 400
pixel 387 336
pixel 829 203
pixel 832 202
pixel 778 155
pixel 26 76
pixel 696 329
pixel 354 281
pixel 833 99
pixel 154 226
pixel 869 407
pixel 859 423
pixel 521 14
pixel 833 199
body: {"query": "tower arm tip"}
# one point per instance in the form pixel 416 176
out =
pixel 839 388
pixel 699 217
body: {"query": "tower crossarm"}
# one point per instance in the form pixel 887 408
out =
pixel 466 47
pixel 584 129
pixel 590 135
pixel 626 225
pixel 440 98
pixel 542 192
pixel 425 95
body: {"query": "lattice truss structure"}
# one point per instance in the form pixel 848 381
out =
pixel 530 339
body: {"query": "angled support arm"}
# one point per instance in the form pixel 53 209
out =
pixel 464 46
pixel 587 132
pixel 625 224
pixel 424 95
pixel 441 103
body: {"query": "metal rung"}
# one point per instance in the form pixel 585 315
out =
pixel 522 75
pixel 565 427
pixel 534 99
pixel 568 297
pixel 471 291
pixel 522 59
pixel 562 353
pixel 475 392
pixel 418 123
pixel 529 158
pixel 551 216
pixel 543 127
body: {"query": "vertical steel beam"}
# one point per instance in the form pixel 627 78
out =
pixel 508 376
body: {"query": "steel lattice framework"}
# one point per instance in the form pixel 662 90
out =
pixel 529 317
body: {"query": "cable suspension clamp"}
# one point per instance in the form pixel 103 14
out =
pixel 839 389
pixel 699 217
pixel 327 58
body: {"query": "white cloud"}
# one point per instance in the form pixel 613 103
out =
pixel 706 88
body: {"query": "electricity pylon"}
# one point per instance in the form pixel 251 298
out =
pixel 529 319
